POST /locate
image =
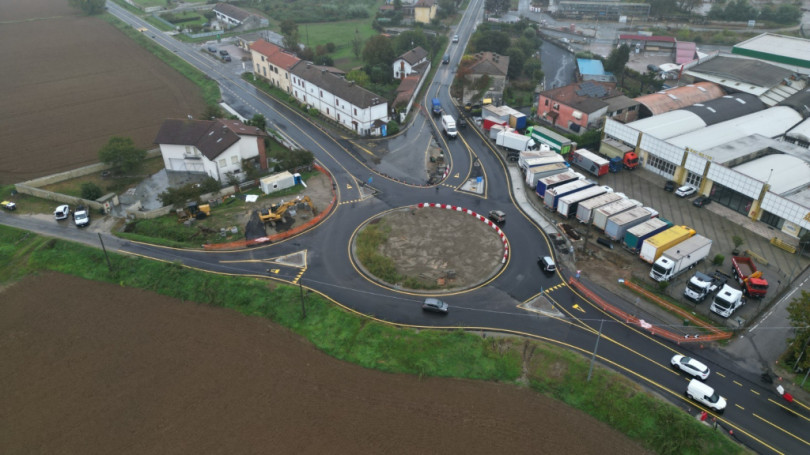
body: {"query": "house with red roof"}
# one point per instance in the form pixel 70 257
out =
pixel 272 63
pixel 214 147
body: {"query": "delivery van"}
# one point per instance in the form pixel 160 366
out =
pixel 705 395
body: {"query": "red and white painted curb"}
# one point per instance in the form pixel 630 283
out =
pixel 477 215
pixel 446 172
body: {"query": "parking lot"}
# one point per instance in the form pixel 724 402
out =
pixel 713 220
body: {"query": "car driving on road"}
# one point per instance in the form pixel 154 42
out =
pixel 435 306
pixel 690 366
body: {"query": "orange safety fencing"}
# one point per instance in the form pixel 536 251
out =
pixel 640 323
pixel 281 235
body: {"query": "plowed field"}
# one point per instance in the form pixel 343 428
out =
pixel 97 368
pixel 69 82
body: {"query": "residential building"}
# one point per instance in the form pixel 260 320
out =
pixel 411 62
pixel 213 147
pixel 232 16
pixel 340 100
pixel 493 66
pixel 576 106
pixel 273 63
pixel 601 9
pixel 424 11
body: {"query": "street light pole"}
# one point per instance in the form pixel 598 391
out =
pixel 593 357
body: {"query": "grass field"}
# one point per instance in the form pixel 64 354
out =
pixel 341 34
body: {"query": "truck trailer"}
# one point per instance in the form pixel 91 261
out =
pixel 528 159
pixel 591 162
pixel 617 225
pixel 536 173
pixel 552 197
pixel 654 247
pixel 681 257
pixel 514 141
pixel 585 209
pixel 639 233
pixel 567 205
pixel 601 215
pixel 751 280
pixel 557 142
pixel 547 183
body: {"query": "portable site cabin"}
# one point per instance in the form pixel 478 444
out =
pixel 279 181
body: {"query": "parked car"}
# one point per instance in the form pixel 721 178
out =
pixel 61 212
pixel 212 49
pixel 702 200
pixel 435 305
pixel 669 186
pixel 455 38
pixel 8 205
pixel 81 216
pixel 685 191
pixel 690 366
pixel 226 58
pixel 547 264
pixel 223 52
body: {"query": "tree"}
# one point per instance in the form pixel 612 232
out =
pixel 213 111
pixel 91 191
pixel 617 59
pixel 121 155
pixel 516 60
pixel 533 69
pixel 491 41
pixel 324 60
pixel 89 7
pixel 357 44
pixel 259 121
pixel 289 30
pixel 409 39
pixel 378 51
pixel 496 7
pixel 799 315
pixel 359 77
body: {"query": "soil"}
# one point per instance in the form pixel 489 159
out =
pixel 108 369
pixel 71 82
pixel 434 256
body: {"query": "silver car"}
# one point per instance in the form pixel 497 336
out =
pixel 435 305
pixel 690 366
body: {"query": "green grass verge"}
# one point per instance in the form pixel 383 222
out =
pixel 548 369
pixel 208 87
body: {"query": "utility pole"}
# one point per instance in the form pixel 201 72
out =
pixel 103 248
pixel 303 305
pixel 593 357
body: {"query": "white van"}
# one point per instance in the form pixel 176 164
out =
pixel 449 126
pixel 705 395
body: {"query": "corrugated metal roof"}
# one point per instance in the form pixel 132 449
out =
pixel 790 47
pixel 678 97
pixel 590 67
pixel 784 173
pixel 727 107
pixel 801 131
pixel 771 122
pixel 669 124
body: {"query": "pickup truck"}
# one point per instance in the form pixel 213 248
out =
pixel 746 273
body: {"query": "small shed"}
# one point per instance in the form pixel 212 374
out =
pixel 277 182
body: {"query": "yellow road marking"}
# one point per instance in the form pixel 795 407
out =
pixel 577 307
pixel 781 429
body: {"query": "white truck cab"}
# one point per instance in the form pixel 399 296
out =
pixel 727 301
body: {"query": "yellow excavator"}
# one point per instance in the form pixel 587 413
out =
pixel 276 211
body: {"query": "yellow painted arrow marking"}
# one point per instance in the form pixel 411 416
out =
pixel 348 187
pixel 456 176
pixel 577 307
pixel 276 271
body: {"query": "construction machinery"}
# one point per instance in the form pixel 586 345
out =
pixel 193 210
pixel 276 211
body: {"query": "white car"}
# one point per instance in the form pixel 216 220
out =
pixel 686 190
pixel 455 38
pixel 690 366
pixel 61 212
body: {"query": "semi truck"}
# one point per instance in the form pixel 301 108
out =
pixel 636 235
pixel 557 142
pixel 514 141
pixel 527 159
pixel 552 197
pixel 601 215
pixel 591 162
pixel 437 107
pixel 585 209
pixel 701 285
pixel 449 126
pixel 567 205
pixel 654 247
pixel 746 273
pixel 681 257
pixel 629 161
pixel 727 301
pixel 536 173
pixel 547 183
pixel 617 225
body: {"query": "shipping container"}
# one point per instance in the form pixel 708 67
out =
pixel 601 215
pixel 638 234
pixel 536 173
pixel 586 208
pixel 654 247
pixel 553 195
pixel 557 142
pixel 553 181
pixel 591 162
pixel 617 225
pixel 567 205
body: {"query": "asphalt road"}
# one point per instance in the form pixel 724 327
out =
pixel 755 414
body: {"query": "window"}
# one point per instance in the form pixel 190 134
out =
pixel 235 159
pixel 730 198
pixel 546 103
pixel 327 111
pixel 355 112
pixel 258 68
pixel 262 57
pixel 772 220
pixel 556 106
pixel 665 167
pixel 321 93
pixel 631 108
pixel 264 70
pixel 693 179
pixel 222 163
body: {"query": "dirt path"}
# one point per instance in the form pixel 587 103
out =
pixel 96 368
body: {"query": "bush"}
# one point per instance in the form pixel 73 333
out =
pixel 393 127
pixel 718 259
pixel 91 191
